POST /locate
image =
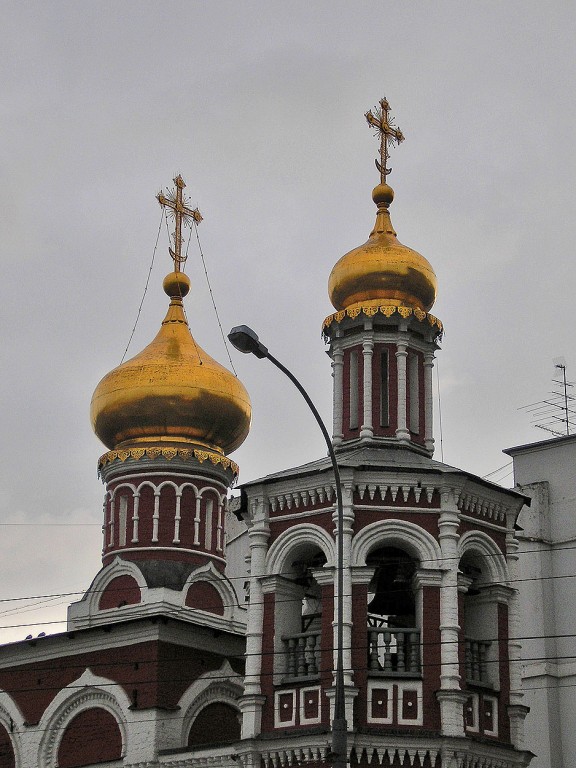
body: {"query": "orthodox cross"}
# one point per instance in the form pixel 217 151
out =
pixel 387 132
pixel 181 214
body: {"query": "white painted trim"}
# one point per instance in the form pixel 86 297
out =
pixel 295 537
pixel 401 533
pixel 86 692
pixel 219 685
pixel 483 545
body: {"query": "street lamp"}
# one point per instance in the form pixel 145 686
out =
pixel 246 340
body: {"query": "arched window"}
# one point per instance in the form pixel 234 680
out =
pixel 92 737
pixel 478 621
pixel 217 723
pixel 393 634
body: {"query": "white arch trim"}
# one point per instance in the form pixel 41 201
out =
pixel 89 691
pixel 122 486
pixel 13 721
pixel 307 533
pixel 117 567
pixel 211 575
pixel 220 685
pixel 482 544
pixel 398 533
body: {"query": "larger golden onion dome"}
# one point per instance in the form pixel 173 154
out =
pixel 172 392
pixel 382 271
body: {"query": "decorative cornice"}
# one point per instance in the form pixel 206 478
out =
pixel 155 452
pixel 386 310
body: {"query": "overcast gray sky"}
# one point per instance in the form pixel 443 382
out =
pixel 259 105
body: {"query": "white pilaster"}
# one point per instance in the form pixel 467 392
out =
pixel 367 429
pixel 348 515
pixel 252 701
pixel 338 394
pixel 450 696
pixel 402 432
pixel 428 402
pixel 156 516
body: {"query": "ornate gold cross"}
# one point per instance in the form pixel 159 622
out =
pixel 182 214
pixel 389 135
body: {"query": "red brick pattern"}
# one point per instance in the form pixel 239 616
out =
pixel 204 596
pixel 123 590
pixel 92 737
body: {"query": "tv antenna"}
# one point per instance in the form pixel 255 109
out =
pixel 556 414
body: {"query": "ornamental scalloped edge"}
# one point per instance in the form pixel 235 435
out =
pixel 386 310
pixel 185 454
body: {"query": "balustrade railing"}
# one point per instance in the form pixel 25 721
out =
pixel 475 652
pixel 394 651
pixel 302 652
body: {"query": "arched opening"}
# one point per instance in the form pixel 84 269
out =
pixel 298 614
pixel 478 621
pixel 217 723
pixel 7 759
pixel 92 737
pixel 393 634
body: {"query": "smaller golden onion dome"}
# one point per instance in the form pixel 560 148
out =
pixel 382 270
pixel 172 391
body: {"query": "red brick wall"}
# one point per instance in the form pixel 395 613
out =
pixel 93 736
pixel 431 656
pixel 346 431
pixel 268 662
pixel 390 430
pixel 151 674
pixel 123 590
pixel 204 596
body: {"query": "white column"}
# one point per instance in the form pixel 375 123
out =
pixel 156 516
pixel 367 429
pixel 197 521
pixel 135 518
pixel 348 514
pixel 402 432
pixel 450 696
pixel 219 528
pixel 338 394
pixel 428 402
pixel 176 539
pixel 111 521
pixel 252 702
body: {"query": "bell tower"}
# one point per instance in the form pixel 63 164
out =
pixel 382 338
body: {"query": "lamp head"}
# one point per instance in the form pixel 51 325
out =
pixel 244 339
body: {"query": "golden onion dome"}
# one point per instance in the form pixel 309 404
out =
pixel 382 271
pixel 172 391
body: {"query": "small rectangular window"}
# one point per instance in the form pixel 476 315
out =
pixel 384 389
pixel 354 389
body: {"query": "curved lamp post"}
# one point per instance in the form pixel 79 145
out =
pixel 244 339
